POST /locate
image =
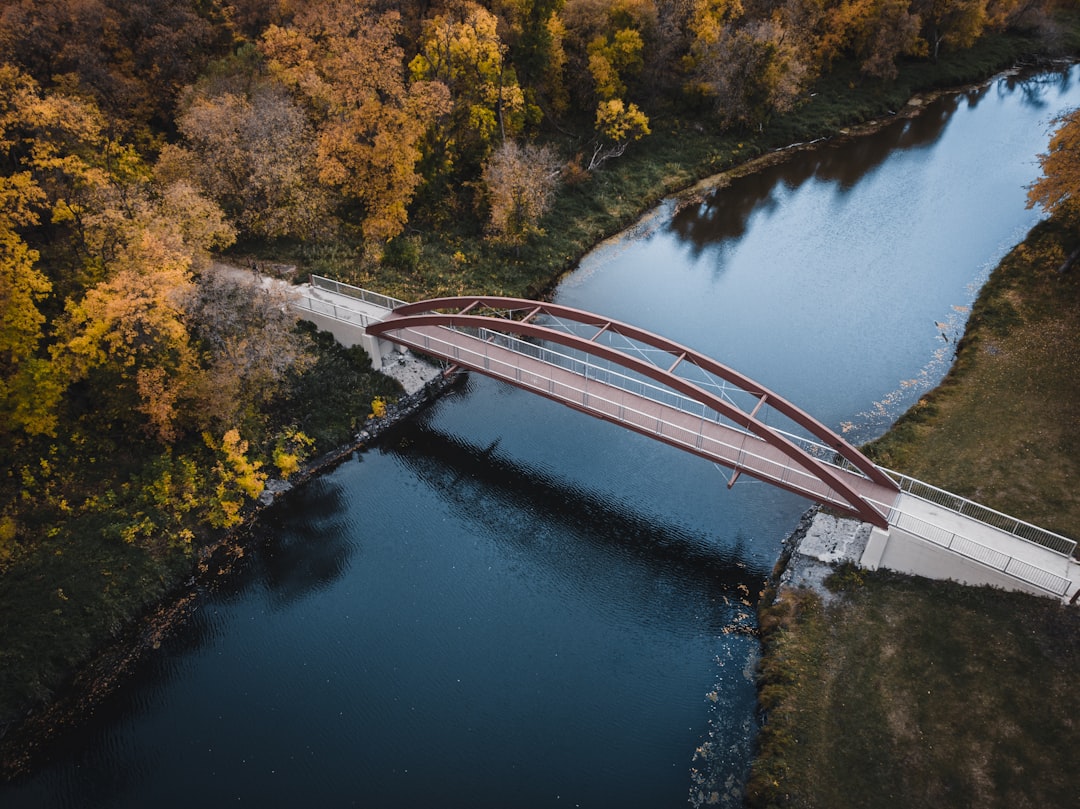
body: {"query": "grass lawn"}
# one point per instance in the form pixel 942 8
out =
pixel 914 693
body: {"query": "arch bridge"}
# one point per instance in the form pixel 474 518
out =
pixel 646 383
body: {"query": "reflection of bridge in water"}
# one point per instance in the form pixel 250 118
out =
pixel 646 383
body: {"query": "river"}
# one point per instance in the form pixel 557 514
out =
pixel 507 603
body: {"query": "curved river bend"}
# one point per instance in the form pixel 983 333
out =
pixel 510 604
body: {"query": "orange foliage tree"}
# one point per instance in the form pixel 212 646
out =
pixel 343 59
pixel 1058 189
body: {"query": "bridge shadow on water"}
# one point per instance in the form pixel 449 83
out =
pixel 494 491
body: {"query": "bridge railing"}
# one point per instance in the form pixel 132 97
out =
pixel 331 310
pixel 359 293
pixel 953 502
pixel 637 385
pixel 741 454
pixel 980 513
pixel 983 554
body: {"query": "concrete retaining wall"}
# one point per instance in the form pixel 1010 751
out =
pixel 349 334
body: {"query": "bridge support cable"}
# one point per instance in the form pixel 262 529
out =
pixel 446 327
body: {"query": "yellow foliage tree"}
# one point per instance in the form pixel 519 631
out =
pixel 28 391
pixel 462 49
pixel 1058 189
pixel 238 479
pixel 133 323
pixel 49 143
pixel 612 59
pixel 618 126
pixel 291 448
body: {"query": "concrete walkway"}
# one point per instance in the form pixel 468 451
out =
pixel 826 541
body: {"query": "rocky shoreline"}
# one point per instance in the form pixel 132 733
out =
pixel 819 545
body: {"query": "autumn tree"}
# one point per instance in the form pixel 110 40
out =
pixel 461 48
pixel 957 23
pixel 665 70
pixel 751 69
pixel 875 33
pixel 27 389
pixel 344 61
pixel 134 245
pixel 1058 189
pixel 520 181
pixel 130 330
pixel 238 477
pixel 246 334
pixel 251 150
pixel 607 42
pixel 131 56
pixel 617 126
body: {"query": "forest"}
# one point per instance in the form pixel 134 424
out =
pixel 146 399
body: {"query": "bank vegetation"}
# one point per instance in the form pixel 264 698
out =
pixel 416 148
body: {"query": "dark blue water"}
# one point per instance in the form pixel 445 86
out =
pixel 507 603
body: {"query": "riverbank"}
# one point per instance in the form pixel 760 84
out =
pixel 24 738
pixel 904 692
pixel 678 160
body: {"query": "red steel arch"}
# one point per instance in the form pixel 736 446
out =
pixel 513 316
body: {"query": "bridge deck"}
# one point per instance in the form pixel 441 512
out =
pixel 709 439
pixel 1018 556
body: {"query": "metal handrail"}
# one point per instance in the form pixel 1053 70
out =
pixel 331 310
pixel 359 293
pixel 788 473
pixel 983 554
pixel 984 514
pixel 639 387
